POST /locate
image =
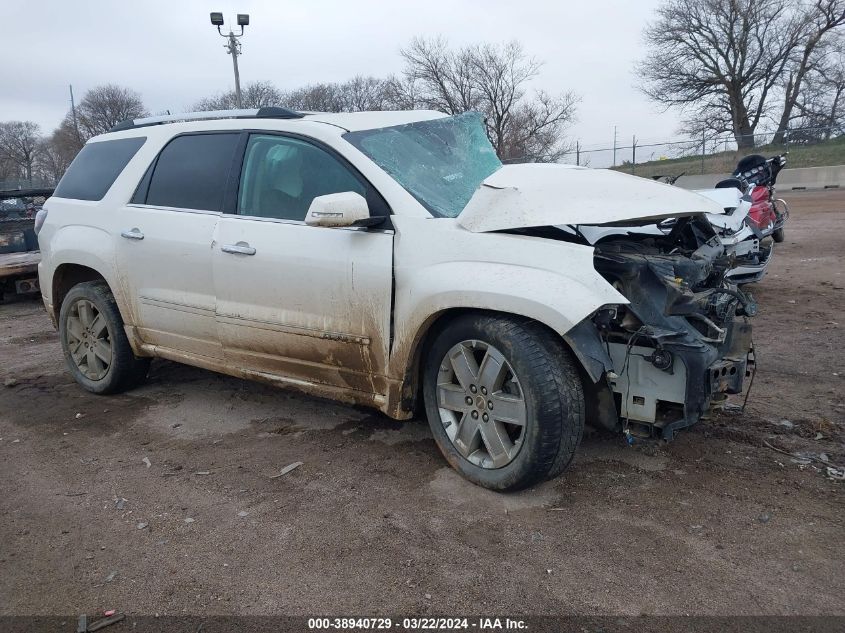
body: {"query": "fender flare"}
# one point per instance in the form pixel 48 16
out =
pixel 586 345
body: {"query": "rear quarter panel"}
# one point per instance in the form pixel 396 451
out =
pixel 74 233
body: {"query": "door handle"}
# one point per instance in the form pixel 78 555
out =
pixel 241 248
pixel 132 234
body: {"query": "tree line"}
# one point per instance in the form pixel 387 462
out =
pixel 743 66
pixel 523 125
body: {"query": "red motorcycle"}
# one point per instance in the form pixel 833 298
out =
pixel 759 174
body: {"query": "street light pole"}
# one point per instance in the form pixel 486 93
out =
pixel 233 47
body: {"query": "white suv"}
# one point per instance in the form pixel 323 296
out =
pixel 390 259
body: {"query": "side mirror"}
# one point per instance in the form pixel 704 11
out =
pixel 338 210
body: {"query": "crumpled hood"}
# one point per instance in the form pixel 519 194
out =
pixel 521 196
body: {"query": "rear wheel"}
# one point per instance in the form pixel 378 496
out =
pixel 95 346
pixel 504 400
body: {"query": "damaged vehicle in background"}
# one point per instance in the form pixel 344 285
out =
pixel 753 219
pixel 389 259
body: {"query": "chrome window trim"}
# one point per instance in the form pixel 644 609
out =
pixel 256 218
pixel 135 205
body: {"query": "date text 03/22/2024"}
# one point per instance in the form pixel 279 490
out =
pixel 422 623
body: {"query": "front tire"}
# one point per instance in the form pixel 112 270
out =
pixel 94 343
pixel 504 400
pixel 779 235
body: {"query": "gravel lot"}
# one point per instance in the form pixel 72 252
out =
pixel 374 522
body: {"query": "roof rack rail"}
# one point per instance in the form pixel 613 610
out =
pixel 258 113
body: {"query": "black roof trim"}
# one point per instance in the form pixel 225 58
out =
pixel 267 112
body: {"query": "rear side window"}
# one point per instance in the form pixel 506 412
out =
pixel 96 167
pixel 191 172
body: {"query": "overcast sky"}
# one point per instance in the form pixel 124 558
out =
pixel 170 53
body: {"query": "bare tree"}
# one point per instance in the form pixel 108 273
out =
pixel 19 144
pixel 8 170
pixel 258 94
pixel 821 103
pixel 493 80
pixel 105 106
pixel 320 97
pixel 365 93
pixel 55 155
pixel 443 79
pixel 358 94
pixel 731 65
pixel 402 93
pixel 536 131
pixel 815 21
pixel 718 60
pixel 69 136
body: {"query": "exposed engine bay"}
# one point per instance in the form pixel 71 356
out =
pixel 684 339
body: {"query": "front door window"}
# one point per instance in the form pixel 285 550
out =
pixel 281 176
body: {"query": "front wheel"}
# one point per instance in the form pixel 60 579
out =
pixel 778 235
pixel 95 346
pixel 504 400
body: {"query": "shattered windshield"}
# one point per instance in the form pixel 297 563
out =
pixel 440 162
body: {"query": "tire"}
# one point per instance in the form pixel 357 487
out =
pixel 538 381
pixel 779 235
pixel 89 323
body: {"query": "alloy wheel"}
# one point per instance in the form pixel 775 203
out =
pixel 88 340
pixel 481 404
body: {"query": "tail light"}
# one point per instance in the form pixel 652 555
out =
pixel 39 219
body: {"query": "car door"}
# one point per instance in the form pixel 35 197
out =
pixel 165 236
pixel 304 303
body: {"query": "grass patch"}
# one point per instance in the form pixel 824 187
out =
pixel 830 152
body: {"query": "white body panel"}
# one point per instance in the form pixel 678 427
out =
pixel 166 276
pixel 82 237
pixel 440 266
pixel 312 303
pixel 520 196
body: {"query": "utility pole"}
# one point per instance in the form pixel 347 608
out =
pixel 634 155
pixel 233 47
pixel 614 146
pixel 73 114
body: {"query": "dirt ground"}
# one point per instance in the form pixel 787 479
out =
pixel 374 522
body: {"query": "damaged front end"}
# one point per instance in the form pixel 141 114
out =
pixel 683 341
